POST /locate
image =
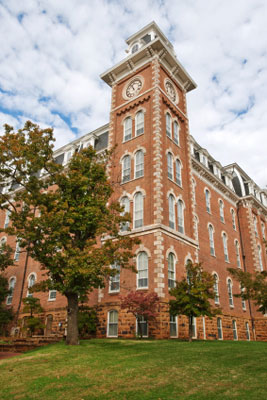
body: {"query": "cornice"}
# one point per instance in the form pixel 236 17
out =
pixel 214 180
pixel 156 48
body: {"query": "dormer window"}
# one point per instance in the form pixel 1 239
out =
pixel 135 48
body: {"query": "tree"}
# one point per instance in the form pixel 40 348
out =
pixel 193 294
pixel 6 314
pixel 32 306
pixel 254 287
pixel 62 216
pixel 142 306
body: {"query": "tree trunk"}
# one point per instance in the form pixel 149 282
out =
pixel 190 323
pixel 72 323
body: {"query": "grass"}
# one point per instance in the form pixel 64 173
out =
pixel 131 370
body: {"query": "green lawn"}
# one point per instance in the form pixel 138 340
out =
pixel 128 369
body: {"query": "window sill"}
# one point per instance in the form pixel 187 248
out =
pixel 131 180
pixel 173 181
pixel 128 140
pixel 51 300
pixel 114 292
pixel 171 139
pixel 142 288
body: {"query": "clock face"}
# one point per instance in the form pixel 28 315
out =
pixel 133 88
pixel 171 92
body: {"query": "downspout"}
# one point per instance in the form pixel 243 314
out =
pixel 245 269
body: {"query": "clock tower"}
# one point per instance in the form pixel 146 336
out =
pixel 151 167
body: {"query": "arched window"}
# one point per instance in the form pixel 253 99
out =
pixel 125 202
pixel 168 125
pixel 171 270
pixel 170 165
pixel 127 129
pixel 142 270
pixel 138 210
pixel 221 210
pixel 237 252
pixel 255 226
pixel 216 289
pixel 263 230
pixel 230 292
pixel 139 164
pixel 171 212
pixel 8 212
pixel 173 326
pixel 225 248
pixel 113 323
pixel 180 207
pixel 17 251
pixel 219 328
pixel 114 281
pixel 178 174
pixel 234 329
pixel 211 238
pixel 126 169
pixel 11 287
pixel 247 331
pixel 139 123
pixel 243 301
pixel 233 219
pixel 31 282
pixel 176 129
pixel 207 197
pixel 2 243
pixel 260 258
pixel 196 227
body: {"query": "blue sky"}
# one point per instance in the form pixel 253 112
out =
pixel 52 53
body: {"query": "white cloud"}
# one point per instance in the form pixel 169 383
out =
pixel 52 53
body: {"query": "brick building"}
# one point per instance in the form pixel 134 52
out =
pixel 184 204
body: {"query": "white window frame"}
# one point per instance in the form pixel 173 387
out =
pixel 168 125
pixel 221 208
pixel 230 292
pixel 139 123
pixel 138 210
pixel 234 327
pixel 255 222
pixel 30 284
pixel 52 295
pixel 207 198
pixel 171 270
pixel 142 269
pixel 237 252
pixel 216 289
pixel 263 230
pixel 225 247
pixel 7 219
pixel 176 131
pixel 17 251
pixel 11 287
pixel 170 165
pixel 194 330
pixel 174 323
pixel 143 321
pixel 126 169
pixel 243 301
pixel 139 164
pixel 127 129
pixel 233 219
pixel 178 172
pixel 247 331
pixel 211 240
pixel 115 279
pixel 112 323
pixel 219 328
pixel 260 257
pixel 180 216
pixel 171 202
pixel 126 204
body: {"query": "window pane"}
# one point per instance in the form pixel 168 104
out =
pixel 180 216
pixel 173 326
pixel 139 123
pixel 170 165
pixel 168 125
pixel 138 210
pixel 126 169
pixel 139 164
pixel 127 129
pixel 176 132
pixel 142 267
pixel 113 323
pixel 171 212
pixel 178 176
